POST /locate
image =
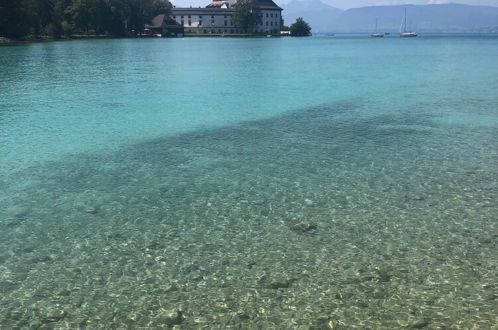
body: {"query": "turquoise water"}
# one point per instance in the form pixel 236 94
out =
pixel 167 183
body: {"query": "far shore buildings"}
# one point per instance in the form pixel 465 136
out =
pixel 164 25
pixel 217 18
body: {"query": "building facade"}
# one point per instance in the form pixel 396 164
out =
pixel 217 18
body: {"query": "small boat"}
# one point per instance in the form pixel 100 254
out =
pixel 376 34
pixel 403 32
pixel 408 34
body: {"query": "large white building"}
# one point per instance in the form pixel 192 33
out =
pixel 217 18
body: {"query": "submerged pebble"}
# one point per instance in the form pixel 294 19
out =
pixel 173 317
pixel 303 227
pixel 91 210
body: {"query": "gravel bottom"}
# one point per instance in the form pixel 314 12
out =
pixel 311 220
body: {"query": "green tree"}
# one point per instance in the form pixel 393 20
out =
pixel 67 28
pixel 54 18
pixel 300 28
pixel 140 12
pixel 79 13
pixel 161 7
pixel 11 24
pixel 247 15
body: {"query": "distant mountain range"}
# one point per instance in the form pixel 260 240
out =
pixel 319 15
pixel 345 4
pixel 421 18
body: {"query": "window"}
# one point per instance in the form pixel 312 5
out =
pixel 212 16
pixel 212 21
pixel 200 23
pixel 200 17
pixel 188 16
pixel 266 23
pixel 174 17
pixel 271 23
pixel 226 23
pixel 266 15
pixel 205 31
pixel 183 23
pixel 271 15
pixel 182 16
pixel 189 23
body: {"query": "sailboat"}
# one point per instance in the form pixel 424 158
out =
pixel 377 34
pixel 403 32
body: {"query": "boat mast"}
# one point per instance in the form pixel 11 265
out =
pixel 404 23
pixel 376 25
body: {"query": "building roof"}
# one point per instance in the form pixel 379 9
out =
pixel 218 4
pixel 162 21
pixel 268 4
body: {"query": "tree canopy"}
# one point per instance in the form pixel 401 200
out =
pixel 54 18
pixel 300 28
pixel 247 15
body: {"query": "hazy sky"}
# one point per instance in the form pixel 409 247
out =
pixel 345 4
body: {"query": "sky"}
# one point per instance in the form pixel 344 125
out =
pixel 346 4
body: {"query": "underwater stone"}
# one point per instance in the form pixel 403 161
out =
pixel 173 317
pixel 19 212
pixel 171 288
pixel 13 222
pixel 279 284
pixel 303 227
pixel 42 258
pixel 91 210
pixel 308 202
pixel 35 323
pixel 53 316
pixel 243 315
pixel 420 324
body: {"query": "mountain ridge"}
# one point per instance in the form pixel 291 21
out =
pixel 458 18
pixel 315 12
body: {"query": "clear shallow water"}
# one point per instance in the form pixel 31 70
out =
pixel 156 182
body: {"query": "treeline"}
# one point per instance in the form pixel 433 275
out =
pixel 26 19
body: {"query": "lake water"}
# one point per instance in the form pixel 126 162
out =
pixel 249 183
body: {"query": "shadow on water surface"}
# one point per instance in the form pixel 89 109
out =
pixel 197 229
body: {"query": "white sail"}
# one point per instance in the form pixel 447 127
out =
pixel 376 34
pixel 402 29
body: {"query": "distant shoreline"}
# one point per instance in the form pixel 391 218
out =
pixel 11 42
pixel 7 41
